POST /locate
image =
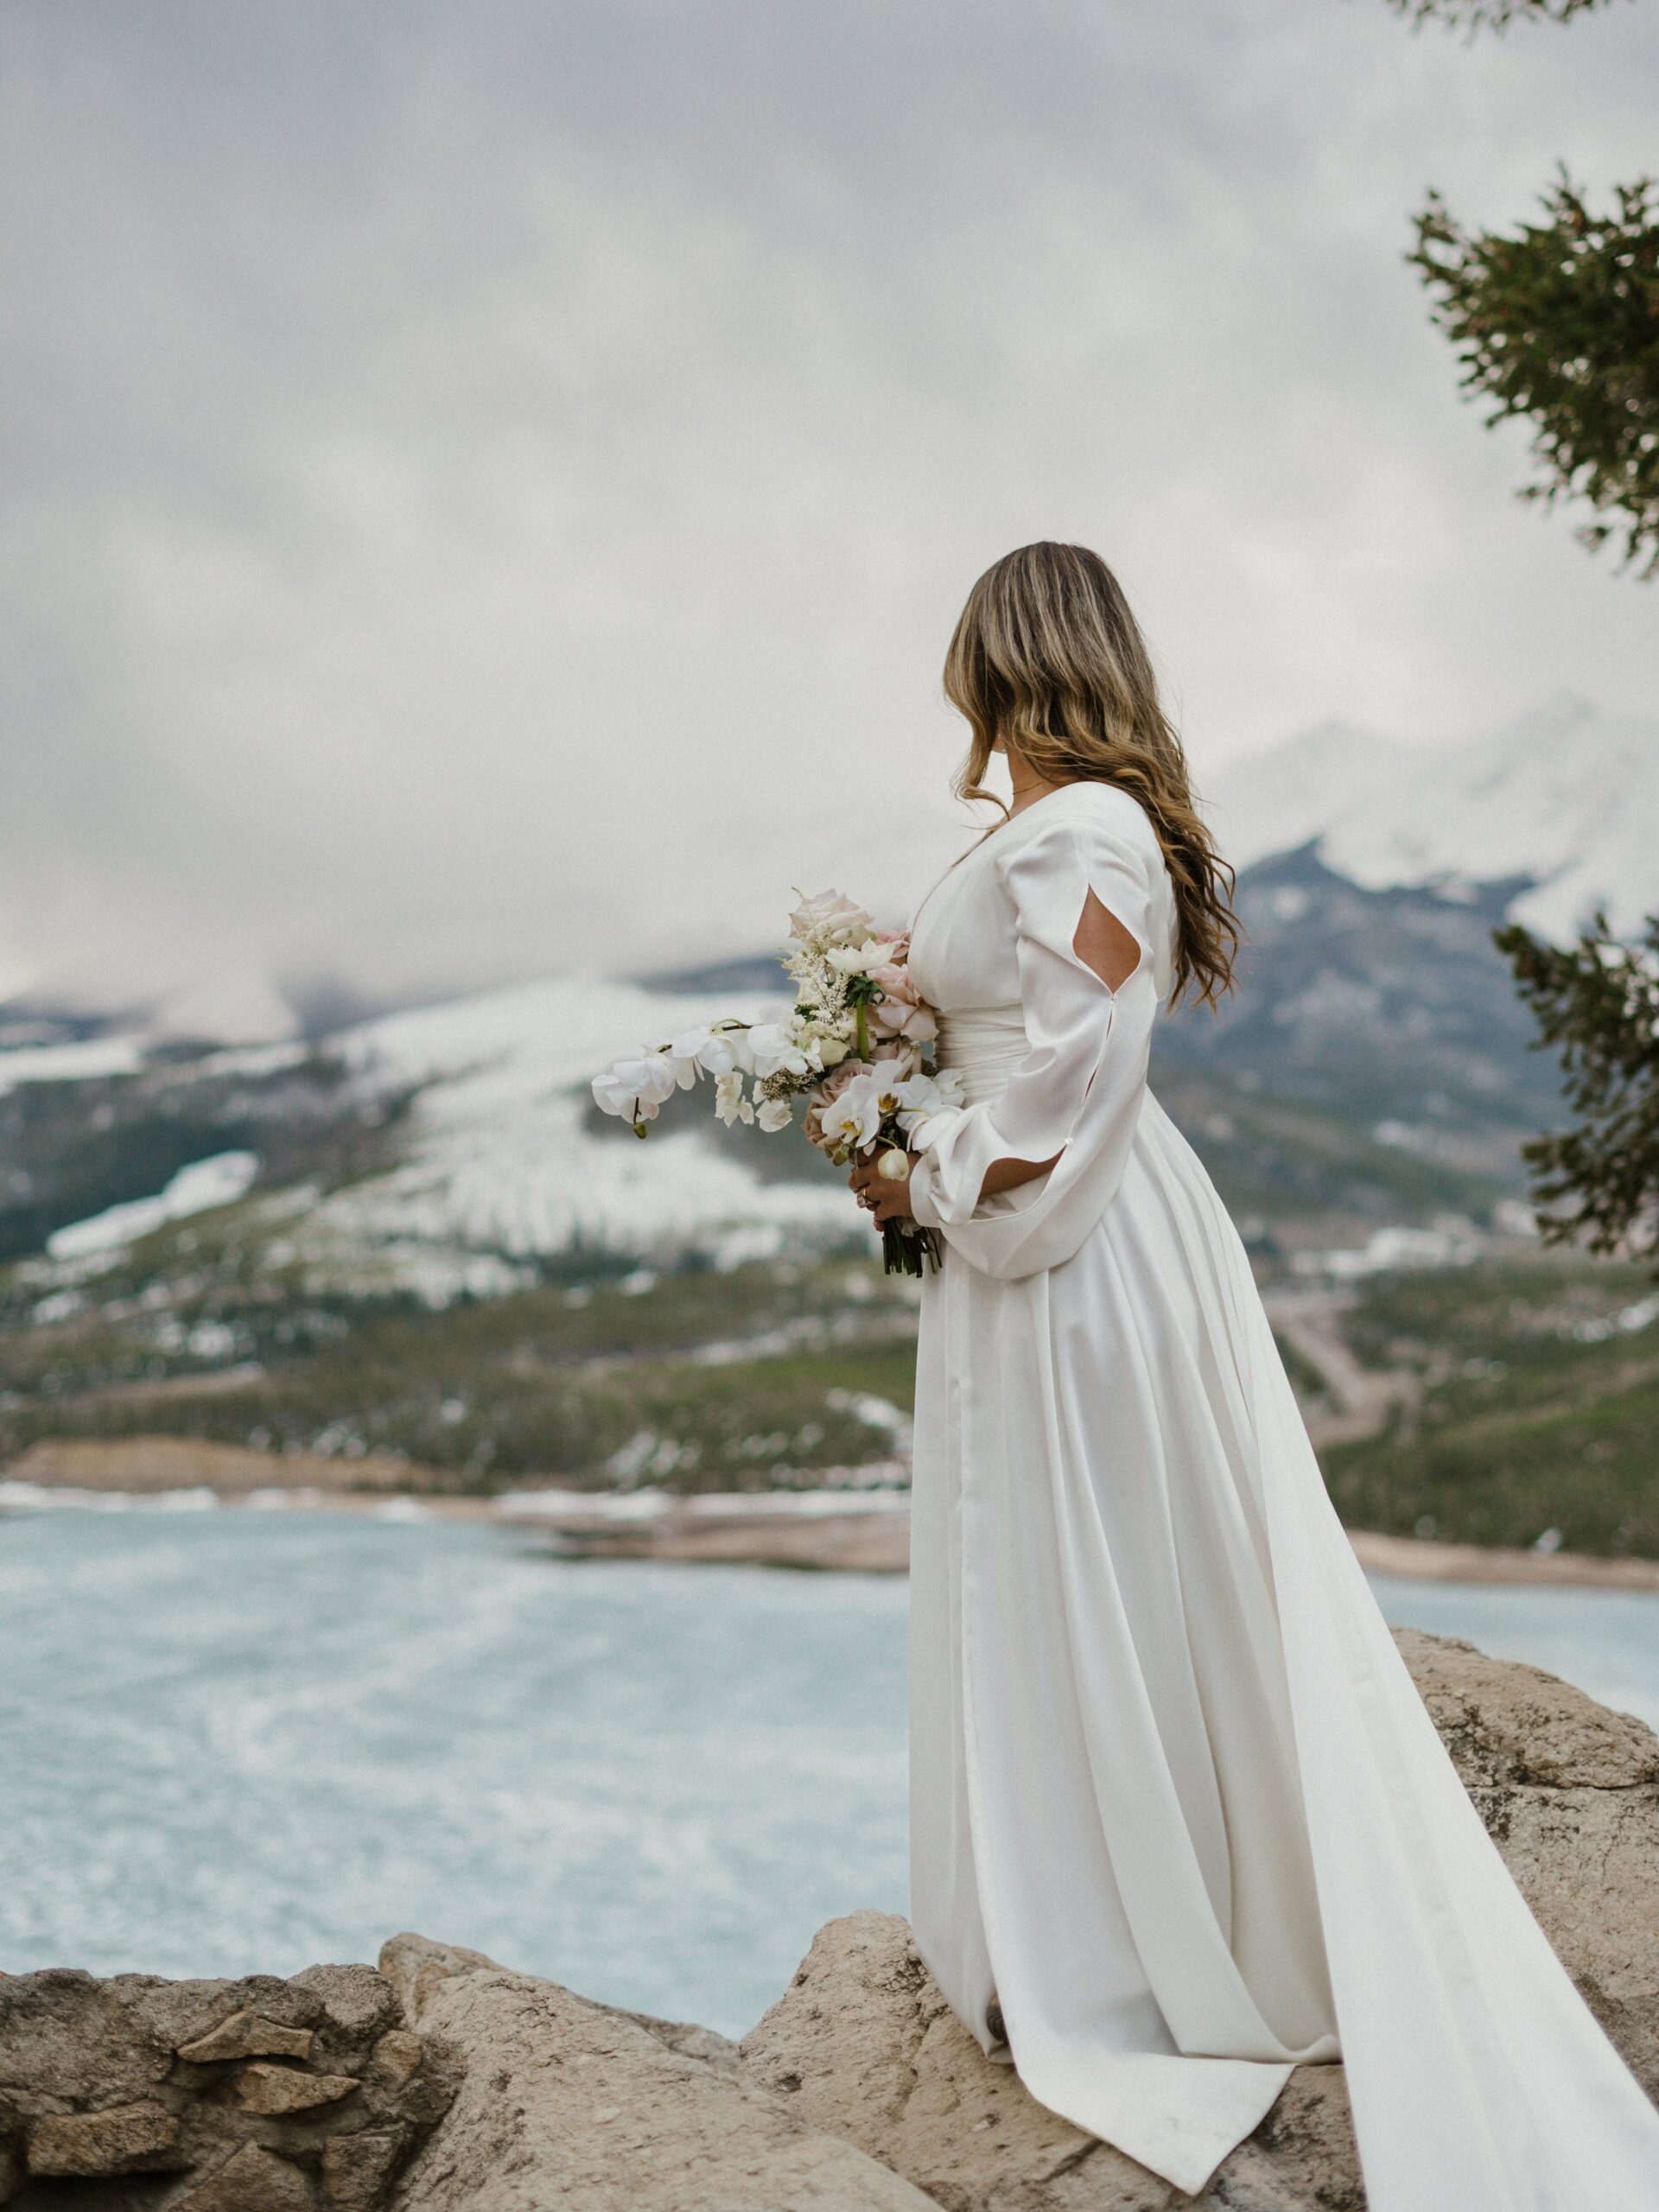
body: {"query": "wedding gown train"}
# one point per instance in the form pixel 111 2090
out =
pixel 1175 1801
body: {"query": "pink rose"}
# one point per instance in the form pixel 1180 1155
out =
pixel 900 1011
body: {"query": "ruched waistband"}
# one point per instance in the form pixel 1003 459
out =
pixel 984 1044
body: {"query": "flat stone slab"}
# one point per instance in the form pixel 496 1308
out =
pixel 248 2035
pixel 280 2089
pixel 119 2140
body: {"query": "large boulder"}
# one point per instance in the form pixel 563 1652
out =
pixel 865 2047
pixel 598 2110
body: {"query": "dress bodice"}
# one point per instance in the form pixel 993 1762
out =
pixel 964 935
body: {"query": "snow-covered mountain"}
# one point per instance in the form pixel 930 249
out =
pixel 451 1147
pixel 502 1154
pixel 437 1150
pixel 1568 797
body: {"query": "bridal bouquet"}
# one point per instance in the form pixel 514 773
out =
pixel 857 1047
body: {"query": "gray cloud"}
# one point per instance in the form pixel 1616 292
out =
pixel 487 487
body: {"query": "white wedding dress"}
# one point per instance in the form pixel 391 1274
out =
pixel 1175 1801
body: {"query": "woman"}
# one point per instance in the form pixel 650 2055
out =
pixel 1180 1821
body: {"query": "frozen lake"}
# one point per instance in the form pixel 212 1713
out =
pixel 233 1742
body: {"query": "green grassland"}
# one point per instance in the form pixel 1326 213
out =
pixel 693 1378
pixel 1537 1413
pixel 1535 1384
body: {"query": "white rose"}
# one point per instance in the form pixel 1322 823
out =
pixel 774 1114
pixel 832 917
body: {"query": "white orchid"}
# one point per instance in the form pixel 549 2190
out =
pixel 724 1049
pixel 896 1062
pixel 857 959
pixel 777 1051
pixel 922 1098
pixel 729 1102
pixel 634 1089
pixel 853 1118
pixel 679 1055
pixel 774 1114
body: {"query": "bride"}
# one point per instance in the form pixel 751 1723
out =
pixel 1180 1821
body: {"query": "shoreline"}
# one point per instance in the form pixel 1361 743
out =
pixel 1419 1559
pixel 826 1531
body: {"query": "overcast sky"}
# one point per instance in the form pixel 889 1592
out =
pixel 487 484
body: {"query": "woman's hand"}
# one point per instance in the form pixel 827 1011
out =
pixel 886 1198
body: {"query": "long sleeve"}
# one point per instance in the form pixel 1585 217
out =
pixel 1078 1089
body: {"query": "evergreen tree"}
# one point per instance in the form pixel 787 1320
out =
pixel 1560 326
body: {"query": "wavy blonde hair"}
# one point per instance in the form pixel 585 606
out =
pixel 1048 658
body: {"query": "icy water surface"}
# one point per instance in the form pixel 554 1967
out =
pixel 231 1742
pixel 1606 1640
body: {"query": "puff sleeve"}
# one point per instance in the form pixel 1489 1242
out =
pixel 1078 1090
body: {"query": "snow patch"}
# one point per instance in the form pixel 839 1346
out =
pixel 499 1164
pixel 78 1063
pixel 218 1181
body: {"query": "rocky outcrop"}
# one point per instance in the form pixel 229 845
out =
pixel 260 2095
pixel 865 2046
pixel 570 2102
pixel 447 2083
pixel 1570 1795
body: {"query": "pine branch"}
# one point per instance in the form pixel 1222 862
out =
pixel 1491 14
pixel 1560 326
pixel 1596 1003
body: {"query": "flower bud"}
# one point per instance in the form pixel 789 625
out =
pixel 894 1165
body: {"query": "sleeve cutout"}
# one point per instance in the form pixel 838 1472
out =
pixel 1105 947
pixel 1083 887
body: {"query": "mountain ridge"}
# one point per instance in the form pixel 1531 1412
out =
pixel 1562 803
